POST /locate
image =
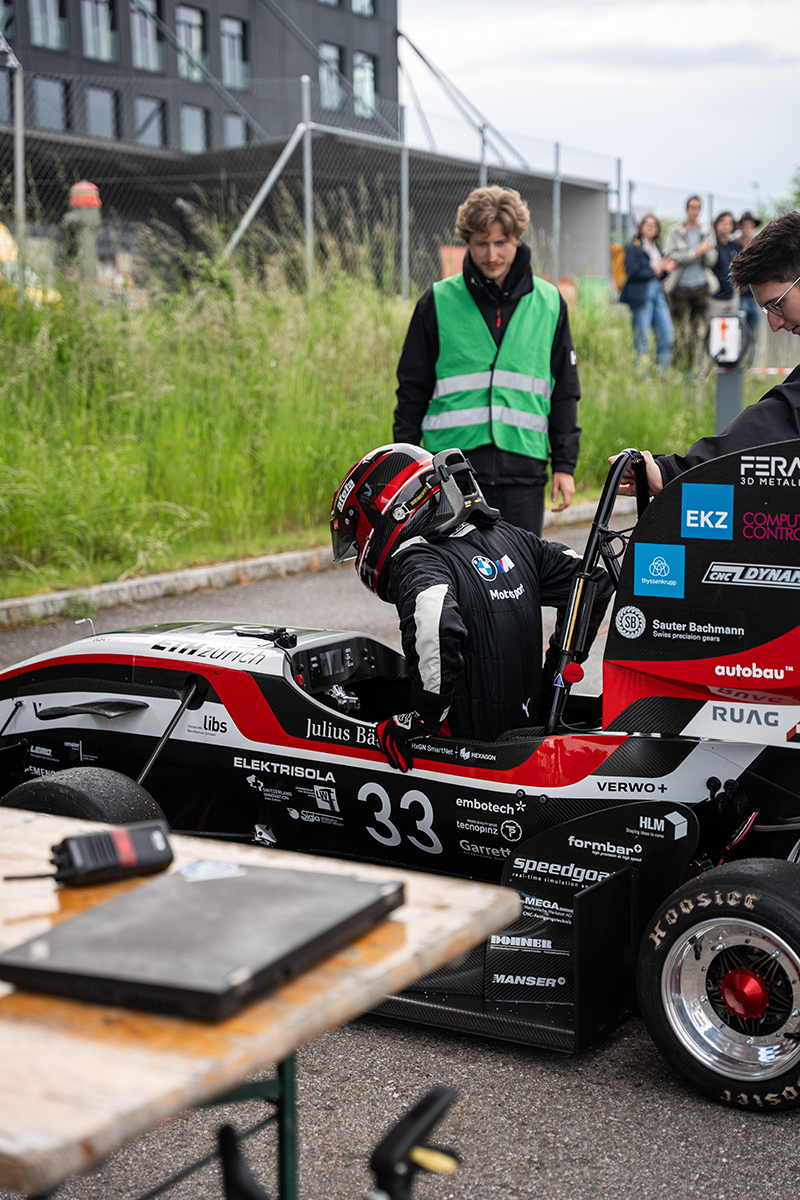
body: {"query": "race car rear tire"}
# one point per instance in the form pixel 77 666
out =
pixel 719 983
pixel 89 793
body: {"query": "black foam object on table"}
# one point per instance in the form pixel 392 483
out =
pixel 203 941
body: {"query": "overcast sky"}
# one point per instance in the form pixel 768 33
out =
pixel 697 94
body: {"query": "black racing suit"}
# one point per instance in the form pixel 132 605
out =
pixel 774 418
pixel 471 624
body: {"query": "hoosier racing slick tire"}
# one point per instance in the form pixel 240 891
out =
pixel 90 793
pixel 719 983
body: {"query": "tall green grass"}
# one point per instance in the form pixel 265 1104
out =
pixel 219 423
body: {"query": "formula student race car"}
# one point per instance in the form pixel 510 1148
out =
pixel 653 831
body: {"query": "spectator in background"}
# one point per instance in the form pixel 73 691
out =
pixel 747 226
pixel 693 249
pixel 645 267
pixel 488 366
pixel 726 300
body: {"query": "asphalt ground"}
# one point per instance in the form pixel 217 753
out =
pixel 529 1124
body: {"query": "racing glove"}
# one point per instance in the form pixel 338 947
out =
pixel 394 736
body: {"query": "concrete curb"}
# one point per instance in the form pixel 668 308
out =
pixel 25 609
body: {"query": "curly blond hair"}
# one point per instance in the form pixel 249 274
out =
pixel 485 205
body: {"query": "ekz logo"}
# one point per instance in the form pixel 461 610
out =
pixel 707 511
pixel 659 570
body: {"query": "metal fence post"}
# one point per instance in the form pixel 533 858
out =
pixel 404 216
pixel 619 201
pixel 630 220
pixel 557 213
pixel 308 178
pixel 483 173
pixel 12 63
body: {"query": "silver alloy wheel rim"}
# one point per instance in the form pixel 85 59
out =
pixel 696 1024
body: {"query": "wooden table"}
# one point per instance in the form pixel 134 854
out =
pixel 79 1080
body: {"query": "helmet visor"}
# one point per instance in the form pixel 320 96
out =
pixel 343 541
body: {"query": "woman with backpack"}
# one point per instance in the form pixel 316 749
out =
pixel 645 267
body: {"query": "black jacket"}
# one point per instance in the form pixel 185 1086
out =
pixel 774 418
pixel 471 624
pixel 639 270
pixel 416 374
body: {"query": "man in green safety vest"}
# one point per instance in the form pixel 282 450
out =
pixel 488 366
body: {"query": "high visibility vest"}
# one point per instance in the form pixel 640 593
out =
pixel 484 394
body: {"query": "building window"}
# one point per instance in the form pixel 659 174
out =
pixel 234 131
pixel 99 30
pixel 49 28
pixel 235 67
pixel 330 68
pixel 147 46
pixel 363 84
pixel 149 118
pixel 50 103
pixel 190 28
pixel 363 8
pixel 194 129
pixel 102 113
pixel 6 112
pixel 7 25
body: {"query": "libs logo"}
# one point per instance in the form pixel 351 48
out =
pixel 659 570
pixel 707 511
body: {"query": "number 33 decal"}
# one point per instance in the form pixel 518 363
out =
pixel 383 817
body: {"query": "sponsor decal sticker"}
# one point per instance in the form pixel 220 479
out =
pixel 213 653
pixel 730 714
pixel 606 849
pixel 763 526
pixel 657 826
pixel 707 511
pixel 695 631
pixel 659 570
pixel 531 866
pixel 769 470
pixel 530 980
pixel 268 793
pixel 346 490
pixel 327 731
pixel 630 621
pixel 753 671
pixel 489 805
pixel 480 851
pixel 511 831
pixel 275 768
pixel 752 575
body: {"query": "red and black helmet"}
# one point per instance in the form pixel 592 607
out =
pixel 397 492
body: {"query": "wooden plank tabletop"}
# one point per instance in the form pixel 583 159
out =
pixel 77 1080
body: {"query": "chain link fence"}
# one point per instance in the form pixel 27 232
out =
pixel 178 164
pixel 365 185
pixel 669 203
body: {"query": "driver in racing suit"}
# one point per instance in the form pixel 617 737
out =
pixel 468 589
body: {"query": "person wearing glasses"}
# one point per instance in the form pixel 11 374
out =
pixel 770 268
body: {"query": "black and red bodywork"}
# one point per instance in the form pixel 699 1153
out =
pixel 594 824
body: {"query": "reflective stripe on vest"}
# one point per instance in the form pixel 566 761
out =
pixel 461 417
pixel 486 394
pixel 484 379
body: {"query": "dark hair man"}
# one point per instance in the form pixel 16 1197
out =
pixel 468 589
pixel 488 365
pixel 770 267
